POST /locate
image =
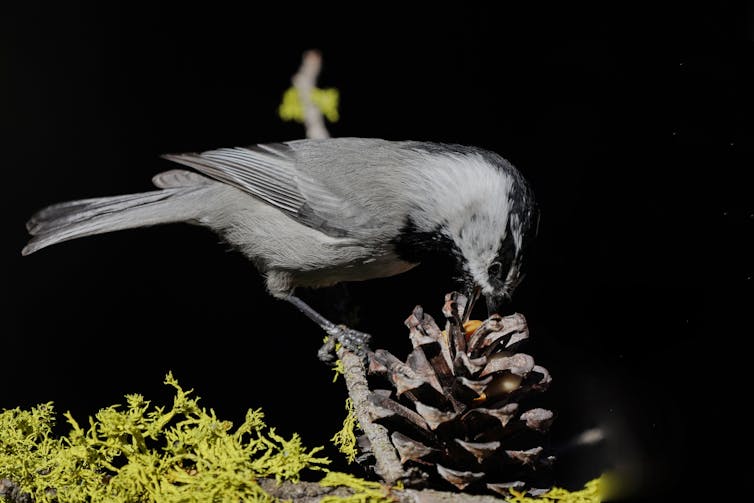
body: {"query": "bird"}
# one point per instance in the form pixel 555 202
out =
pixel 314 213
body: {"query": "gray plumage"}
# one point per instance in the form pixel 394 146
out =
pixel 316 212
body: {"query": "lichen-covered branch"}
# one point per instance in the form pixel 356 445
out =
pixel 190 455
pixel 314 492
pixel 144 453
pixel 388 466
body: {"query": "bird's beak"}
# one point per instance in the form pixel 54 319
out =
pixel 473 296
pixel 496 302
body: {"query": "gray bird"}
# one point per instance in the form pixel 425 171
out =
pixel 313 213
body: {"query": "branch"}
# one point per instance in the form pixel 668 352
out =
pixel 305 80
pixel 312 492
pixel 303 492
pixel 388 466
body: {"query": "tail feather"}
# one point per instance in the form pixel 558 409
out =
pixel 63 214
pixel 75 219
pixel 56 210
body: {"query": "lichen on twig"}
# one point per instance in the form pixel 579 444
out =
pixel 387 464
pixel 306 103
pixel 345 439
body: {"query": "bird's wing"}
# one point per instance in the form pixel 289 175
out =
pixel 270 173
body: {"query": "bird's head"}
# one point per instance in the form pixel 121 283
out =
pixel 495 222
pixel 478 210
pixel 493 265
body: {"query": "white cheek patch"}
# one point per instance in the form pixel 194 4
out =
pixel 478 242
pixel 476 187
pixel 475 217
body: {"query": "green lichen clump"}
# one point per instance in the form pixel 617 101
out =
pixel 593 492
pixel 145 453
pixel 326 100
pixel 345 439
pixel 364 491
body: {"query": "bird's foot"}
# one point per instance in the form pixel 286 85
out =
pixel 353 340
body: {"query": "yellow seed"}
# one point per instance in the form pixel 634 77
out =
pixel 481 398
pixel 471 326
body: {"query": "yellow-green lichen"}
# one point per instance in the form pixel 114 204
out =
pixel 345 439
pixel 338 370
pixel 324 99
pixel 592 492
pixel 144 453
pixel 364 491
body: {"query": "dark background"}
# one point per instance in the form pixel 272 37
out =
pixel 634 126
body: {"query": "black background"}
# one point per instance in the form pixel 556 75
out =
pixel 633 124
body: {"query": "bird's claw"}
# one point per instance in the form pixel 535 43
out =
pixel 353 340
pixel 326 353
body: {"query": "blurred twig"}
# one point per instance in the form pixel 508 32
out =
pixel 305 81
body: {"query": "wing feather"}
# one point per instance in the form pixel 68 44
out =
pixel 250 172
pixel 269 172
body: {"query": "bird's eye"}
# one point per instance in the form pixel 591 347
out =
pixel 495 269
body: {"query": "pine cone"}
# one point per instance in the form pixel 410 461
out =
pixel 456 411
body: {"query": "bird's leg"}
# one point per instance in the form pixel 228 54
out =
pixel 356 341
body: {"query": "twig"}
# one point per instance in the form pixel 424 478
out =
pixel 13 493
pixel 303 492
pixel 305 80
pixel 312 492
pixel 388 466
